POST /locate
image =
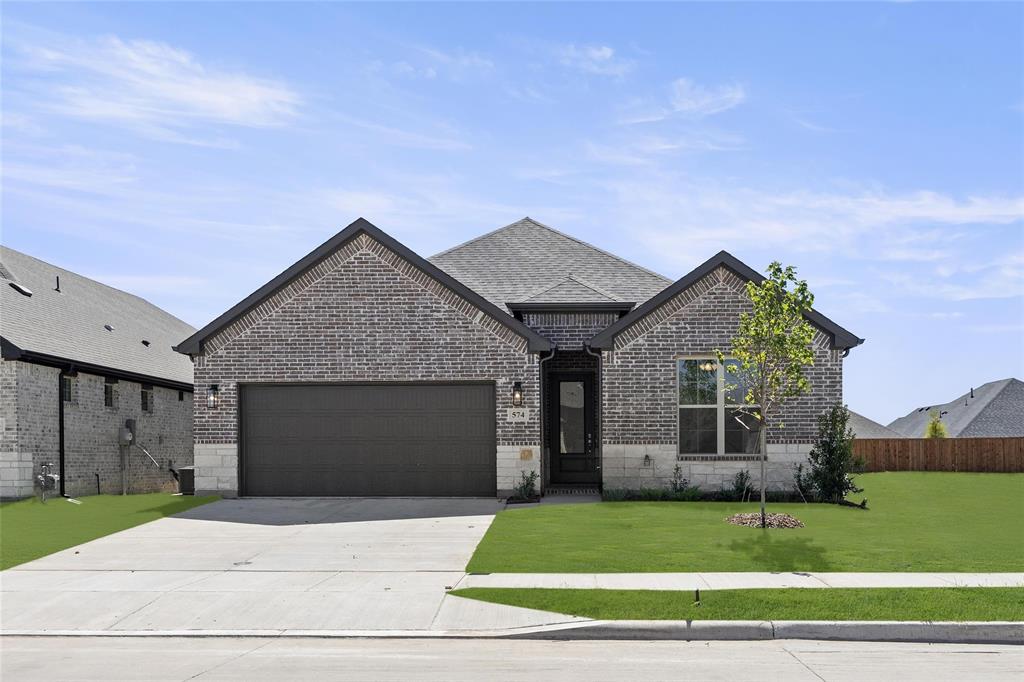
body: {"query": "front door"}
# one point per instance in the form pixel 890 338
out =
pixel 572 437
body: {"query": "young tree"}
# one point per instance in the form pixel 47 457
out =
pixel 935 428
pixel 770 351
pixel 831 459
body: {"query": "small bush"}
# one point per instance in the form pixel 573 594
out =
pixel 678 482
pixel 526 488
pixel 741 488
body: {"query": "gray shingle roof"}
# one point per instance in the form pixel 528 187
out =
pixel 996 410
pixel 70 324
pixel 869 428
pixel 526 260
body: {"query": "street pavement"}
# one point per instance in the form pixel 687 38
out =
pixel 110 659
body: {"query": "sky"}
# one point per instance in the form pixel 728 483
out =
pixel 189 152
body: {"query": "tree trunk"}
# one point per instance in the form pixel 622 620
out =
pixel 764 456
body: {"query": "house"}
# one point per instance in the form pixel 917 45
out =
pixel 863 427
pixel 993 410
pixel 365 369
pixel 80 359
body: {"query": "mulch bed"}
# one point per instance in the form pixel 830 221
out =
pixel 753 520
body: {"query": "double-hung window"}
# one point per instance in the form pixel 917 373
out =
pixel 709 423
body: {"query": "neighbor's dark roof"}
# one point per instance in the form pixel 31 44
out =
pixel 869 428
pixel 841 338
pixel 193 344
pixel 995 411
pixel 531 262
pixel 69 325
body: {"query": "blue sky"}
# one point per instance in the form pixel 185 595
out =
pixel 189 152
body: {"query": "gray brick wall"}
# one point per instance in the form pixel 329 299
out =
pixel 568 331
pixel 363 314
pixel 640 399
pixel 90 438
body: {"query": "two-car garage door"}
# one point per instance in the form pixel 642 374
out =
pixel 368 439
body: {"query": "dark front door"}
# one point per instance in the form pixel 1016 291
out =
pixel 371 439
pixel 572 435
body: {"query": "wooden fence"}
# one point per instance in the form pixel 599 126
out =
pixel 941 454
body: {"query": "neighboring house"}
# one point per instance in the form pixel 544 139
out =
pixel 364 369
pixel 868 428
pixel 993 410
pixel 79 360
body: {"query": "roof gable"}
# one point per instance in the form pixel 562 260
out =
pixel 840 337
pixel 71 325
pixel 521 260
pixel 194 344
pixel 571 290
pixel 868 428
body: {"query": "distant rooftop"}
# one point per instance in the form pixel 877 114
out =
pixel 992 410
pixel 869 428
pixel 529 262
pixel 86 321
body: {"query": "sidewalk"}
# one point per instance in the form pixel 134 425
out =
pixel 736 581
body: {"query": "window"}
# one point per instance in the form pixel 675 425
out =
pixel 67 389
pixel 147 397
pixel 708 422
pixel 110 392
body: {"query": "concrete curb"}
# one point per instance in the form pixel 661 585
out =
pixel 850 631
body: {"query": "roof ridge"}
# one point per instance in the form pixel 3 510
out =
pixel 593 287
pixel 977 412
pixel 528 219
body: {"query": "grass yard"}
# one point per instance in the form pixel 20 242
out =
pixel 30 529
pixel 916 521
pixel 934 603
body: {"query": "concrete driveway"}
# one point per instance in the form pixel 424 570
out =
pixel 268 565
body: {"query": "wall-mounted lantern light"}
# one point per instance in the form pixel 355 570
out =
pixel 213 396
pixel 517 394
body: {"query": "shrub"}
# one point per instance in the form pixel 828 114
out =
pixel 935 428
pixel 831 459
pixel 802 482
pixel 678 483
pixel 526 488
pixel 741 488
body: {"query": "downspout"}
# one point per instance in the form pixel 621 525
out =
pixel 60 427
pixel 540 409
pixel 600 412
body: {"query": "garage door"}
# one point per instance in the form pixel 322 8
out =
pixel 374 439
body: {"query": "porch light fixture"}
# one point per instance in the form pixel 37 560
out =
pixel 213 396
pixel 517 394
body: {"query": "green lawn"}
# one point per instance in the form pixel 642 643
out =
pixel 917 521
pixel 936 603
pixel 30 529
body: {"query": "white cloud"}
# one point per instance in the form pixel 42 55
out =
pixel 152 87
pixel 595 59
pixel 692 99
pixel 407 138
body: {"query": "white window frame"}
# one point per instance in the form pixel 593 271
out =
pixel 720 405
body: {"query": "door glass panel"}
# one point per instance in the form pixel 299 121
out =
pixel 570 415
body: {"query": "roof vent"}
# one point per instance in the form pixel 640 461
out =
pixel 145 343
pixel 108 327
pixel 57 288
pixel 21 288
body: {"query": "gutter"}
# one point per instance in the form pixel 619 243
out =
pixel 12 352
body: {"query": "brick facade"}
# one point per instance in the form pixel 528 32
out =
pixel 569 331
pixel 362 314
pixel 640 412
pixel 31 433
